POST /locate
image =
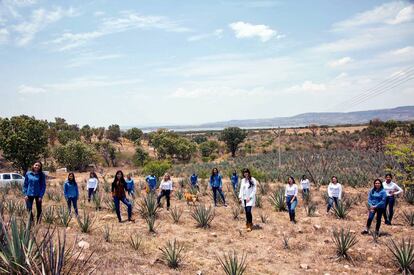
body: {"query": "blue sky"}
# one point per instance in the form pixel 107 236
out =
pixel 185 62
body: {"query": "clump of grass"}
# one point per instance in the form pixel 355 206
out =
pixel 176 213
pixel 236 212
pixel 341 210
pixel 277 200
pixel 403 253
pixel 344 240
pixel 49 215
pixel 203 215
pixel 86 222
pixel 409 217
pixel 64 216
pixel 264 217
pixel 172 253
pixel 135 241
pixel 232 264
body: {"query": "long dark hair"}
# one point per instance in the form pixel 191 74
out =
pixel 249 177
pixel 41 167
pixel 73 175
pixel 374 189
pixel 212 172
pixel 122 179
pixel 292 178
pixel 93 174
pixel 303 177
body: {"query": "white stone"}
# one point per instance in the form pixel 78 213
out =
pixel 84 245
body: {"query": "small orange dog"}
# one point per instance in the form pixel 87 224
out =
pixel 190 198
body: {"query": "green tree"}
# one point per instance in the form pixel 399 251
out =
pixel 107 151
pixel 99 132
pixel 157 168
pixel 374 135
pixel 199 139
pixel 113 133
pixel 87 133
pixel 75 155
pixel 207 148
pixel 133 134
pixel 140 156
pixel 23 140
pixel 169 144
pixel 64 136
pixel 233 137
pixel 404 156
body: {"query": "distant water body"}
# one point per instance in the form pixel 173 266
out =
pixel 205 129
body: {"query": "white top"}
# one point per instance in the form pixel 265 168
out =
pixel 291 190
pixel 92 183
pixel 335 190
pixel 391 187
pixel 246 192
pixel 166 185
pixel 305 184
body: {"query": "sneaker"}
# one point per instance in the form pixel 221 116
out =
pixel 365 232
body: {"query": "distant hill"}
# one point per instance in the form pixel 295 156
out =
pixel 337 118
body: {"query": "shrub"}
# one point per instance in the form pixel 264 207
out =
pixel 232 264
pixel 203 215
pixel 172 253
pixel 343 240
pixel 75 155
pixel 403 253
pixel 157 168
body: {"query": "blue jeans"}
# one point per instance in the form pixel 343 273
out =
pixel 73 201
pixel 117 207
pixel 29 207
pixel 389 202
pixel 220 191
pixel 379 212
pixel 234 184
pixel 331 202
pixel 291 205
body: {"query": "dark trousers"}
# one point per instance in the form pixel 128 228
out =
pixel 249 216
pixel 74 202
pixel 379 212
pixel 91 192
pixel 220 191
pixel 305 192
pixel 331 202
pixel 389 202
pixel 165 193
pixel 125 201
pixel 29 207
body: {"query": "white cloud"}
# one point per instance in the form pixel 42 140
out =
pixel 39 20
pixel 24 89
pixel 87 58
pixel 405 15
pixel 307 86
pixel 99 13
pixel 247 30
pixel 217 91
pixel 4 35
pixel 125 22
pixel 340 62
pixel 406 51
pixel 217 33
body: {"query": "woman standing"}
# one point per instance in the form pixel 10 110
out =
pixel 92 185
pixel 216 184
pixel 392 189
pixel 166 188
pixel 34 188
pixel 247 196
pixel 305 184
pixel 118 194
pixel 334 193
pixel 291 194
pixel 71 193
pixel 376 202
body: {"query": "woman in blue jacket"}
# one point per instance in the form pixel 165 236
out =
pixel 376 203
pixel 34 189
pixel 71 193
pixel 216 184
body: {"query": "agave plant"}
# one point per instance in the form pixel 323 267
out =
pixel 203 215
pixel 232 264
pixel 111 205
pixel 179 194
pixel 148 206
pixel 409 195
pixel 409 217
pixel 277 200
pixel 64 216
pixel 310 209
pixel 49 215
pixel 97 200
pixel 176 213
pixel 259 201
pixel 150 220
pixel 86 222
pixel 107 233
pixel 172 253
pixel 11 207
pixel 343 240
pixel 341 210
pixel 264 217
pixel 403 253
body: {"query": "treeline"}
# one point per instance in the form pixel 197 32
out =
pixel 25 139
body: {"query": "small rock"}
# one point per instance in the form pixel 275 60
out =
pixel 214 234
pixel 199 272
pixel 299 230
pixel 317 226
pixel 304 266
pixel 84 245
pixel 352 231
pixel 370 259
pixel 346 266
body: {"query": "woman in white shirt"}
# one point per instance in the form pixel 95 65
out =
pixel 92 185
pixel 392 189
pixel 166 188
pixel 305 185
pixel 334 193
pixel 291 194
pixel 247 196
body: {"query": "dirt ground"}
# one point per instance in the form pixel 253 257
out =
pixel 310 239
